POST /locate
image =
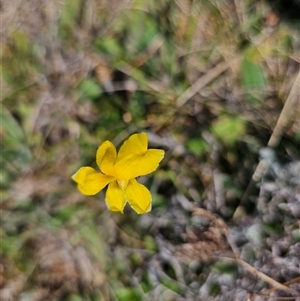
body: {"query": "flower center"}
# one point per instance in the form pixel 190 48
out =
pixel 123 184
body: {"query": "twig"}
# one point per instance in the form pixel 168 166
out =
pixel 154 85
pixel 287 113
pixel 296 280
pixel 277 298
pixel 238 7
pixel 204 80
pixel 259 274
pixel 216 71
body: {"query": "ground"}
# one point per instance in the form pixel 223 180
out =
pixel 213 83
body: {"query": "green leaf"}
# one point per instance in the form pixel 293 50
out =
pixel 273 227
pixel 16 152
pixel 125 294
pixel 197 146
pixel 172 285
pixel 225 267
pixel 214 288
pixel 229 129
pixel 65 213
pixel 108 45
pixel 70 10
pixel 11 126
pixel 21 42
pixel 90 88
pixel 143 37
pixel 252 76
pixel 296 235
pixel 297 136
pixel 74 297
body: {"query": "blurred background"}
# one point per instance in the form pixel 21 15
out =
pixel 215 84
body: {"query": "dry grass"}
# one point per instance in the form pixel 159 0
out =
pixel 210 82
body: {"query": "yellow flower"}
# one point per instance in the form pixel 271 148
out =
pixel 119 171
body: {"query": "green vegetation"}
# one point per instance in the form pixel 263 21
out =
pixel 208 81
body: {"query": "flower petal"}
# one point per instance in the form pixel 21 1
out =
pixel 137 143
pixel 140 164
pixel 105 157
pixel 114 198
pixel 138 197
pixel 90 181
